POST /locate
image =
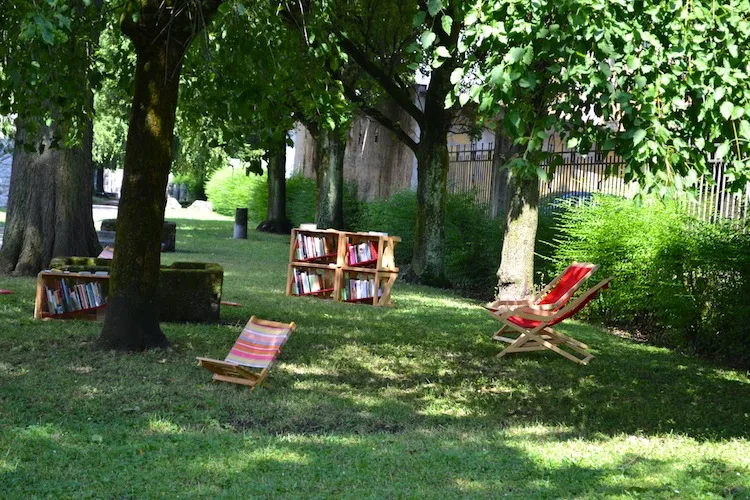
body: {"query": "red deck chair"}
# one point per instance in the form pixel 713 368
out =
pixel 532 329
pixel 257 347
pixel 553 296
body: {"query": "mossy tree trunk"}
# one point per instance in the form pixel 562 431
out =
pixel 516 273
pixel 49 204
pixel 161 36
pixel 432 177
pixel 329 172
pixel 276 220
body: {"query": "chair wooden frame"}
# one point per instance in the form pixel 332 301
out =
pixel 538 302
pixel 538 333
pixel 228 371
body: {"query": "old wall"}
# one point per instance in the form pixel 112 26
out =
pixel 375 160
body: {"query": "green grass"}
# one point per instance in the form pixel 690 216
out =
pixel 408 401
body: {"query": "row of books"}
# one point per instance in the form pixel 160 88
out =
pixel 74 297
pixel 362 253
pixel 309 282
pixel 311 247
pixel 360 289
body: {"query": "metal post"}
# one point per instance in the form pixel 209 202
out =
pixel 240 223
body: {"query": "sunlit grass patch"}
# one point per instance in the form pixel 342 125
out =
pixel 408 401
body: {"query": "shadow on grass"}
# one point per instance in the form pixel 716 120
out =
pixel 214 461
pixel 410 398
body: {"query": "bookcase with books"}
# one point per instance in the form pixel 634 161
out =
pixel 344 266
pixel 369 269
pixel 313 263
pixel 69 295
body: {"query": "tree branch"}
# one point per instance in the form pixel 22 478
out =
pixel 396 93
pixel 378 116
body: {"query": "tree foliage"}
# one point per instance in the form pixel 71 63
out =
pixel 663 83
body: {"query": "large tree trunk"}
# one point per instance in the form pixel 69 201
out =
pixel 432 176
pixel 49 204
pixel 516 272
pixel 330 179
pixel 276 220
pixel 160 38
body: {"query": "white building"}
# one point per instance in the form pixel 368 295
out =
pixel 6 158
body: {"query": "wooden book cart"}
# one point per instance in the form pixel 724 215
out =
pixel 256 348
pixel 527 329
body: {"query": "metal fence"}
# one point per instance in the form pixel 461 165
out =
pixel 471 171
pixel 715 202
pixel 581 175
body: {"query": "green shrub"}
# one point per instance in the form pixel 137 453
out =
pixel 229 188
pixel 301 201
pixel 681 282
pixel 472 238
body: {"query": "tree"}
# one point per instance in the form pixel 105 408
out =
pixel 49 205
pixel 390 42
pixel 664 84
pixel 281 79
pixel 161 34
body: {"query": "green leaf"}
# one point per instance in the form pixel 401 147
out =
pixel 573 142
pixel 449 101
pixel 419 18
pixel 719 93
pixel 471 18
pixel 726 109
pixel 442 52
pixel 456 76
pixel 428 37
pixel 447 23
pixel 700 143
pixel 463 98
pixel 516 54
pixel 638 136
pixel 722 151
pixel 434 6
pixel 745 129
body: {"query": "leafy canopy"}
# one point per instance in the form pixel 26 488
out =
pixel 663 83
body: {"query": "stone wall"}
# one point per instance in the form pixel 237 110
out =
pixel 375 160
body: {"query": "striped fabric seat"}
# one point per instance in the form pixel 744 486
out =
pixel 258 345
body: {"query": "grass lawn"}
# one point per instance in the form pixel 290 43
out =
pixel 407 401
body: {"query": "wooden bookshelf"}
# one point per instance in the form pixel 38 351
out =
pixel 362 269
pixel 78 308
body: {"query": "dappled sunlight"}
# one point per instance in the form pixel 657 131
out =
pixel 81 369
pixel 88 391
pixel 163 426
pixel 15 371
pixel 409 302
pixel 409 398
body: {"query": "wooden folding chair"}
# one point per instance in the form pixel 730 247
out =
pixel 257 347
pixel 553 296
pixel 527 329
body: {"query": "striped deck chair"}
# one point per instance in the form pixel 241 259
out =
pixel 257 347
pixel 531 330
pixel 553 296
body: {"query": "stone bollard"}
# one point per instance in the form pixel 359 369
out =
pixel 240 223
